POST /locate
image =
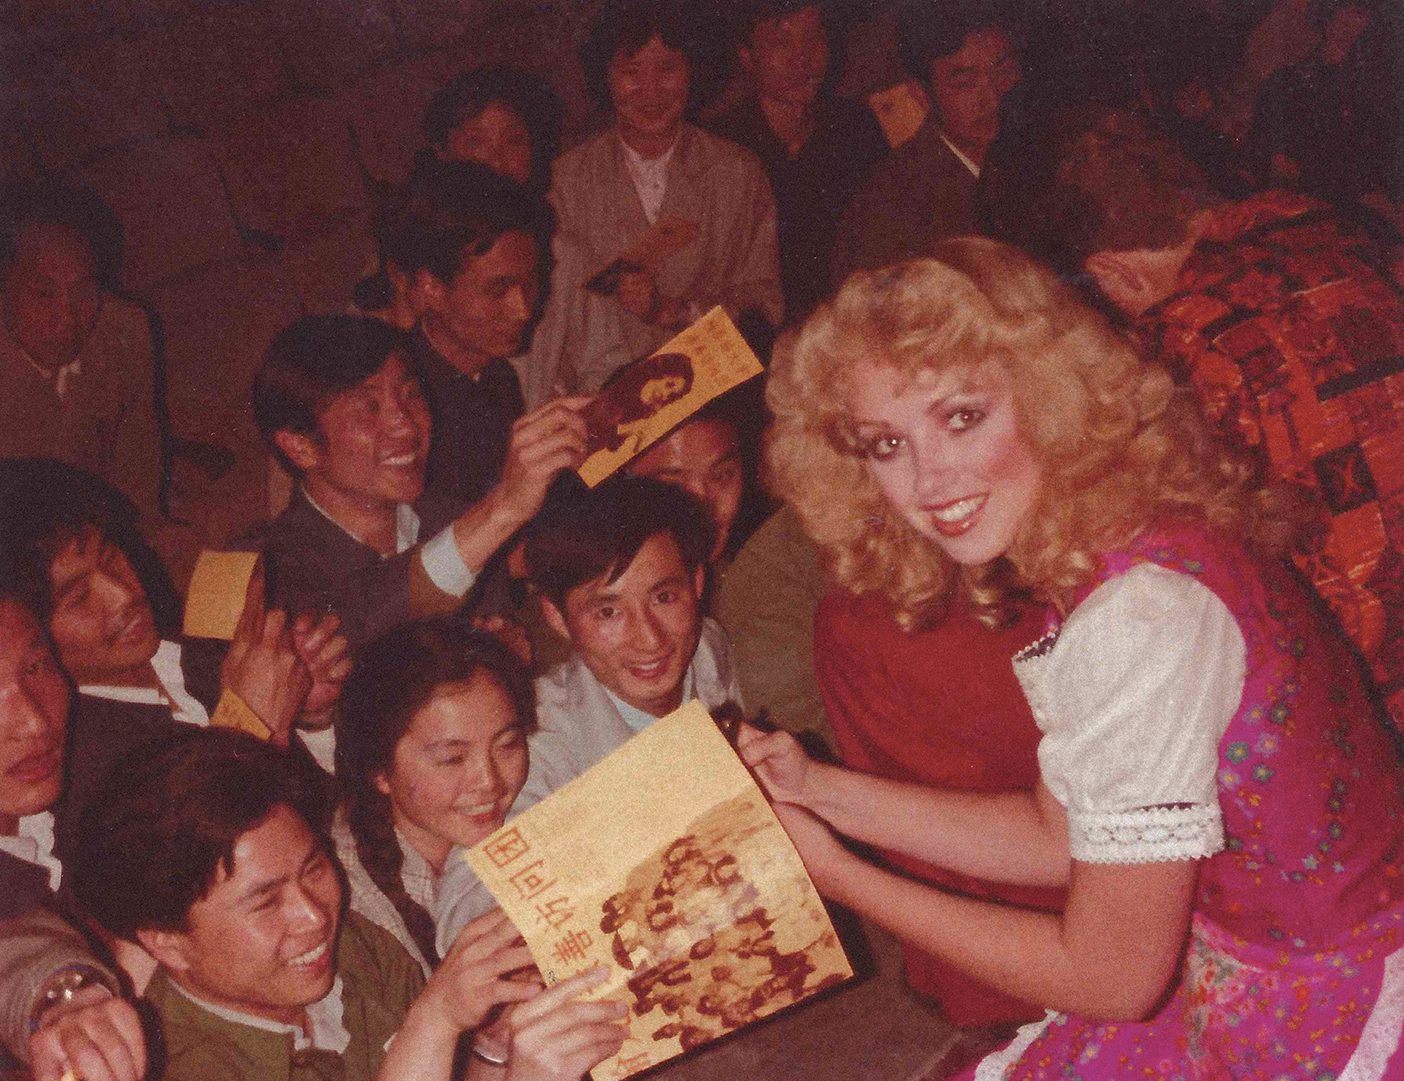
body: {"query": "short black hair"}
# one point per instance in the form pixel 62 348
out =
pixel 527 95
pixel 49 504
pixel 163 824
pixel 589 534
pixel 928 30
pixel 53 202
pixel 750 14
pixel 312 361
pixel 626 26
pixel 449 210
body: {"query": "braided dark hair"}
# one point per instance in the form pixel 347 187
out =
pixel 393 679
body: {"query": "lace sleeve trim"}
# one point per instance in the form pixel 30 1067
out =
pixel 1146 834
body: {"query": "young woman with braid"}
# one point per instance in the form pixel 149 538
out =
pixel 430 753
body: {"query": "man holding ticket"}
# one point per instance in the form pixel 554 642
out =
pixel 136 687
pixel 340 402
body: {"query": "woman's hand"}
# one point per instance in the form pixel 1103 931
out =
pixel 782 765
pixel 473 977
pixel 824 858
pixel 556 1037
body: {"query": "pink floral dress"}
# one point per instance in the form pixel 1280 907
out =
pixel 1295 961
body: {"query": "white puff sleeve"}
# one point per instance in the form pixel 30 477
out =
pixel 1133 698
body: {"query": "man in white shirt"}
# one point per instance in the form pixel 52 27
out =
pixel 59 1005
pixel 619 572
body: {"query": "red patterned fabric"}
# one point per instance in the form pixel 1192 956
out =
pixel 1289 328
pixel 941 707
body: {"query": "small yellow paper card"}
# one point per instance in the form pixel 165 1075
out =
pixel 231 711
pixel 666 864
pixel 215 599
pixel 900 110
pixel 647 399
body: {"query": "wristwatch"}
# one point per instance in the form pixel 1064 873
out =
pixel 61 986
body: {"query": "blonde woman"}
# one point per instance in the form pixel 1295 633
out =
pixel 1215 791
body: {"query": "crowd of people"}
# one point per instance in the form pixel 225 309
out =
pixel 1057 558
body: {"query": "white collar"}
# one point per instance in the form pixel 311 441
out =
pixel 639 719
pixel 406 524
pixel 34 843
pixel 964 158
pixel 324 1019
pixel 58 378
pixel 170 692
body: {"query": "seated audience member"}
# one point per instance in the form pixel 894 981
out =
pixel 432 751
pixel 651 167
pixel 816 147
pixel 60 1006
pixel 470 242
pixel 1281 320
pixel 936 706
pixel 214 857
pixel 620 571
pixel 507 119
pixel 925 190
pixel 75 360
pixel 339 400
pixel 134 687
pixel 702 456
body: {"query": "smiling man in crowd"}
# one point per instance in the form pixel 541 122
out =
pixel 214 856
pixel 340 401
pixel 620 573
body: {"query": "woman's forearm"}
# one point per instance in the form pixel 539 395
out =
pixel 1110 955
pixel 1012 837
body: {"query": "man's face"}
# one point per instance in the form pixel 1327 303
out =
pixel 33 709
pixel 263 939
pixel 102 623
pixel 485 311
pixel 704 458
pixel 638 633
pixel 968 85
pixel 372 443
pixel 787 57
pixel 52 294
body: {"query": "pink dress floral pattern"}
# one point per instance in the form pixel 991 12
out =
pixel 1295 962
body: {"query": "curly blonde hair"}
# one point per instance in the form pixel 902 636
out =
pixel 1118 446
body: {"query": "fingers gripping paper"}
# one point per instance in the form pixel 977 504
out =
pixel 665 863
pixel 647 399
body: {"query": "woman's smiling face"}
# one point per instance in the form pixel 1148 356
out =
pixel 945 449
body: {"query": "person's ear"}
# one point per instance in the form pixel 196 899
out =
pixel 1122 281
pixel 169 948
pixel 302 450
pixel 381 784
pixel 699 580
pixel 555 619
